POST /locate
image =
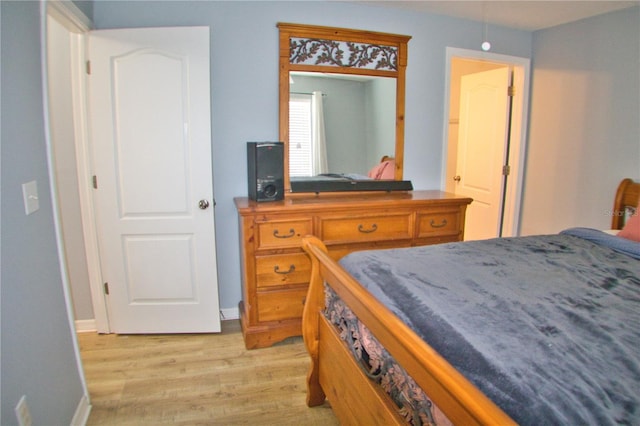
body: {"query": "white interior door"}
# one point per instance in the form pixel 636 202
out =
pixel 482 141
pixel 151 146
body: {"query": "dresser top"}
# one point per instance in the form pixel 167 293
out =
pixel 325 200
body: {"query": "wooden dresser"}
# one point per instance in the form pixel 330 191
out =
pixel 275 270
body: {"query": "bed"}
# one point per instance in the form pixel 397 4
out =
pixel 409 342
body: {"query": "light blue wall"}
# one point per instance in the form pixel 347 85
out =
pixel 86 6
pixel 37 351
pixel 244 84
pixel 585 121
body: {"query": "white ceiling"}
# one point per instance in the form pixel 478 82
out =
pixel 520 14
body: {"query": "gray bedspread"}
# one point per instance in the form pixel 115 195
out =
pixel 548 327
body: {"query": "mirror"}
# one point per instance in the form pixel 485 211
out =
pixel 359 119
pixel 342 109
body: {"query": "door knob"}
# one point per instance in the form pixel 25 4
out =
pixel 203 204
pixel 457 178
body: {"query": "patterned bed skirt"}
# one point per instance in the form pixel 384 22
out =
pixel 412 402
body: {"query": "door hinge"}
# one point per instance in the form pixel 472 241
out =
pixel 88 67
pixel 511 91
pixel 506 170
pixel 106 288
pixel 94 181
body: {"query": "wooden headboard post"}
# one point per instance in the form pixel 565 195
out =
pixel 627 195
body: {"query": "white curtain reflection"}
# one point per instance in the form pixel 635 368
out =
pixel 318 141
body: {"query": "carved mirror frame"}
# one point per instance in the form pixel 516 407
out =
pixel 345 51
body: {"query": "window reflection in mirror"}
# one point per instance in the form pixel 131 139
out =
pixel 340 123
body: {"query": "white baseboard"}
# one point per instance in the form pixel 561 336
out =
pixel 229 314
pixel 84 326
pixel 82 412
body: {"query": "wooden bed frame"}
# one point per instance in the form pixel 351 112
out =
pixel 336 376
pixel 627 195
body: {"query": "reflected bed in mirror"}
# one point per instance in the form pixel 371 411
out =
pixel 342 109
pixel 379 178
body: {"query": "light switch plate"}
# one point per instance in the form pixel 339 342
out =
pixel 30 196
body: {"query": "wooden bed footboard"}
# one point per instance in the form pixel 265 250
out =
pixel 335 375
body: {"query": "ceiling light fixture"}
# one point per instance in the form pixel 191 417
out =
pixel 486 45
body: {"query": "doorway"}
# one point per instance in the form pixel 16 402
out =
pixel 501 220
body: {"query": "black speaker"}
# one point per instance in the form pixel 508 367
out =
pixel 265 165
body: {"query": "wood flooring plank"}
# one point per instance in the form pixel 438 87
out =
pixel 197 379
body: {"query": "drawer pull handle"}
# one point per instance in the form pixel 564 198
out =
pixel 373 228
pixel 292 232
pixel 434 225
pixel 277 270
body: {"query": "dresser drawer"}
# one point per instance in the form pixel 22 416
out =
pixel 276 270
pixel 438 223
pixel 281 305
pixel 390 226
pixel 283 233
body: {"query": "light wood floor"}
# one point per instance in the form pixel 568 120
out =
pixel 197 379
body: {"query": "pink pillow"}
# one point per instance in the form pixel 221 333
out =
pixel 384 170
pixel 631 230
